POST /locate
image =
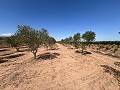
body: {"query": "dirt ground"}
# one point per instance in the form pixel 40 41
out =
pixel 67 70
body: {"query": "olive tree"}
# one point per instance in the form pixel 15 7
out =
pixel 50 42
pixel 76 40
pixel 30 37
pixel 34 38
pixel 89 36
pixel 46 40
pixel 44 37
pixel 14 41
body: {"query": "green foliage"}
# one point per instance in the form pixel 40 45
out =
pixel 34 38
pixel 67 41
pixel 3 38
pixel 76 37
pixel 14 41
pixel 46 40
pixel 51 41
pixel 70 39
pixel 30 37
pixel 104 42
pixel 89 36
pixel 44 36
pixel 25 33
pixel 76 40
pixel 83 47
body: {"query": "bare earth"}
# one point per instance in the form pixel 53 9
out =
pixel 68 71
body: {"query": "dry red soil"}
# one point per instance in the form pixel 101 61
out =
pixel 67 70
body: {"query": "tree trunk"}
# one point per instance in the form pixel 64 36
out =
pixel 34 53
pixel 17 48
pixel 82 50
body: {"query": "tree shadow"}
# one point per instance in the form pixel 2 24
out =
pixel 111 71
pixel 14 56
pixel 2 60
pixel 23 49
pixel 54 49
pixel 1 50
pixel 47 55
pixel 117 63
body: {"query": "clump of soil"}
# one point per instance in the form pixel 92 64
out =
pixel 78 51
pixel 48 55
pixel 57 54
pixel 2 60
pixel 82 52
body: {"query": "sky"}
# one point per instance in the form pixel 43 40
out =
pixel 62 18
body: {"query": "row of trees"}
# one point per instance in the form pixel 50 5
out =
pixel 32 38
pixel 105 42
pixel 79 40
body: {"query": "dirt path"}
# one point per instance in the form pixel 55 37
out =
pixel 68 71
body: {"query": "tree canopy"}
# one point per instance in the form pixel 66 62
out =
pixel 31 37
pixel 14 41
pixel 89 36
pixel 76 40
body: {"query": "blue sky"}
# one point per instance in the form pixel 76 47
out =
pixel 62 18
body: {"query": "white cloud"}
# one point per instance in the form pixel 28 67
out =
pixel 6 34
